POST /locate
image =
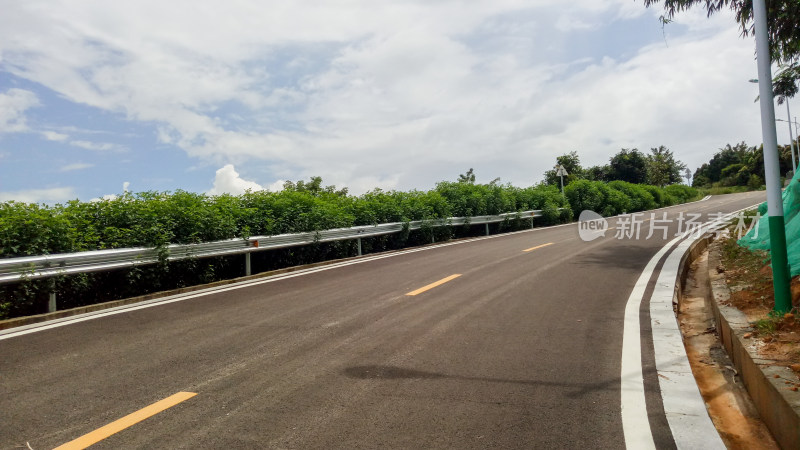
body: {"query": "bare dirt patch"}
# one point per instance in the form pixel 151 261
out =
pixel 729 405
pixel 749 278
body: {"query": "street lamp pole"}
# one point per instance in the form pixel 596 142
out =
pixel 791 138
pixel 796 135
pixel 777 230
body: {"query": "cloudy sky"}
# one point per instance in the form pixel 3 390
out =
pixel 222 96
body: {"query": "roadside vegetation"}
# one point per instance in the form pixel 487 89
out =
pixel 156 219
pixel 732 169
pixel 738 168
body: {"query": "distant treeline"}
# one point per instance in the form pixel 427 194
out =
pixel 739 165
pixel 732 166
pixel 657 168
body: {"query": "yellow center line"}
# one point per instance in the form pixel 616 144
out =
pixel 538 246
pixel 433 285
pixel 125 422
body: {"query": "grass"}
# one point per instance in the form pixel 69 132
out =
pixel 767 325
pixel 748 262
pixel 722 190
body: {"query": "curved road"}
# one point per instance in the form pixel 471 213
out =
pixel 521 350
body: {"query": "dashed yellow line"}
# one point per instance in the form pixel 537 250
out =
pixel 125 422
pixel 538 246
pixel 433 285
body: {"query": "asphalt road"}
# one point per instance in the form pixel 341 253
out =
pixel 522 350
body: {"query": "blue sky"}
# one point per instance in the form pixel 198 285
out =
pixel 98 96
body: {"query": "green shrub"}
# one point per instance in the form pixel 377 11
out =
pixel 467 199
pixel 585 195
pixel 755 182
pixel 681 193
pixel 659 196
pixel 640 198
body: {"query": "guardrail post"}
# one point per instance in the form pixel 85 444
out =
pixel 487 228
pixel 247 270
pixel 531 221
pixel 51 304
pixel 359 246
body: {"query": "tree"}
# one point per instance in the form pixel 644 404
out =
pixel 711 172
pixel 662 168
pixel 468 177
pixel 783 24
pixel 314 187
pixel 572 163
pixel 735 165
pixel 629 165
pixel 598 173
pixel 735 175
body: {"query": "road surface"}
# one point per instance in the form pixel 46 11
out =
pixel 517 346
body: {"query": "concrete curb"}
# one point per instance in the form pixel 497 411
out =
pixel 778 406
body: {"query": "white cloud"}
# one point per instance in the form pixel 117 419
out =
pixel 52 195
pixel 276 186
pixel 53 136
pixel 228 181
pixel 125 186
pixel 96 146
pixel 388 94
pixel 105 197
pixel 13 104
pixel 76 166
pixel 569 24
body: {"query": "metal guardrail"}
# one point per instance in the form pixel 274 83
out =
pixel 33 267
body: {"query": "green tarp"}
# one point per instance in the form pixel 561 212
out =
pixel 758 237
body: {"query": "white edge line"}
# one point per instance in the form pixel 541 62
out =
pixel 635 421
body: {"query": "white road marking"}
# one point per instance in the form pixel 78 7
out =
pixel 635 422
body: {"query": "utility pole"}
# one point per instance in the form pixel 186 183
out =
pixel 777 229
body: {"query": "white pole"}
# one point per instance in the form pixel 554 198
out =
pixel 772 176
pixel 772 169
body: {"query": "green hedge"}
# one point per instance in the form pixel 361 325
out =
pixel 619 197
pixel 155 219
pixel 681 193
